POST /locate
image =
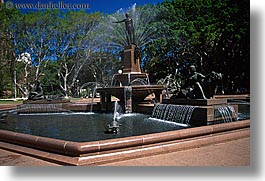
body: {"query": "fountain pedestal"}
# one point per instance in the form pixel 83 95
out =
pixel 131 60
pixel 138 94
pixel 131 69
pixel 126 79
pixel 130 87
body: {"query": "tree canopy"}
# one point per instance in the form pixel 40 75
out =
pixel 74 47
pixel 211 34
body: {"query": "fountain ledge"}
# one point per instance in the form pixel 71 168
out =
pixel 195 102
pixel 87 153
pixel 61 105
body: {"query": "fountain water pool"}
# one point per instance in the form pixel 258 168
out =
pixel 80 139
pixel 83 127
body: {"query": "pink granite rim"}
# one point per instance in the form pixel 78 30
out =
pixel 71 148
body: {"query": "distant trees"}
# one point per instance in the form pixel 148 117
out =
pixel 211 34
pixel 59 44
pixel 33 34
pixel 7 53
pixel 75 43
pixel 74 47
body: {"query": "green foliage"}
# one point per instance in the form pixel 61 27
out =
pixel 5 83
pixel 74 45
pixel 7 16
pixel 210 34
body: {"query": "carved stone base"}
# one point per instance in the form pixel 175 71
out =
pixel 131 60
pixel 127 79
pixel 139 93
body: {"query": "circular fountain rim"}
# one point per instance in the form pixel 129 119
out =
pixel 78 149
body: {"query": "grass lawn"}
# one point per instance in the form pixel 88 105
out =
pixel 10 102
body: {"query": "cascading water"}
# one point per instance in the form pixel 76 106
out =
pixel 93 86
pixel 129 79
pixel 175 113
pixel 140 81
pixel 227 113
pixel 41 108
pixel 93 97
pixel 128 99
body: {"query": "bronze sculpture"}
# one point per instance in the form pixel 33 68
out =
pixel 130 34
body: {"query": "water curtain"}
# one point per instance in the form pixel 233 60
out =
pixel 174 113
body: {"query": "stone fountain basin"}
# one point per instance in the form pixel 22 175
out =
pixel 139 92
pixel 95 152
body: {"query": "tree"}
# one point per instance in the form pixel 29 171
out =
pixel 75 45
pixel 211 34
pixel 7 53
pixel 33 33
pixel 54 36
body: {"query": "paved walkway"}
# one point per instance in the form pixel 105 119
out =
pixel 8 158
pixel 231 153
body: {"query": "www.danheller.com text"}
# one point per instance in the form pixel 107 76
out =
pixel 50 5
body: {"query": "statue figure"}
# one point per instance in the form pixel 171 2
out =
pixel 130 35
pixel 35 91
pixel 213 84
pixel 199 86
pixel 196 80
pixel 193 89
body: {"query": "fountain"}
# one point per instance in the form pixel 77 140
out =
pixel 81 139
pixel 51 107
pixel 122 84
pixel 227 113
pixel 128 99
pixel 198 92
pixel 113 127
pixel 175 113
pixel 130 33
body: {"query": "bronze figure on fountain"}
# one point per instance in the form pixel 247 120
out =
pixel 130 34
pixel 129 84
pixel 199 86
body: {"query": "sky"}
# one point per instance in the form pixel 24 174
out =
pixel 105 6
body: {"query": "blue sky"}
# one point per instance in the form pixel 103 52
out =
pixel 105 6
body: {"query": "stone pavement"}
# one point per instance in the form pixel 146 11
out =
pixel 8 158
pixel 230 153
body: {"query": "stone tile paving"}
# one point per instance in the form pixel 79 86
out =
pixel 8 158
pixel 231 153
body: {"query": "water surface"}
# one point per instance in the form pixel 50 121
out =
pixel 83 127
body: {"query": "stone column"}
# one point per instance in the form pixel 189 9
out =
pixel 131 60
pixel 105 101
